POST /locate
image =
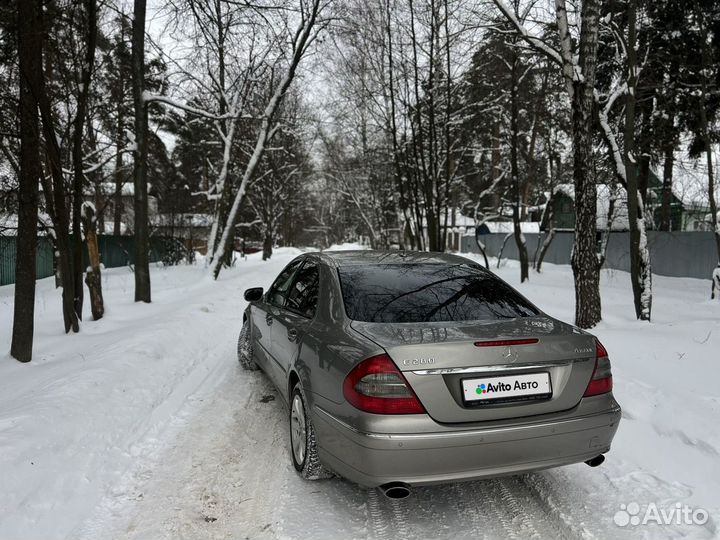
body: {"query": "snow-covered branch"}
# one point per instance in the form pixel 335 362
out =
pixel 534 41
pixel 156 98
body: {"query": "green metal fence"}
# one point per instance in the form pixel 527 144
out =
pixel 8 253
pixel 115 251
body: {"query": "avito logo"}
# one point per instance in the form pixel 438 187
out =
pixel 679 514
pixel 505 387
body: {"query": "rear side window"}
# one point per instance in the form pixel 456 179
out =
pixel 303 295
pixel 278 290
pixel 428 292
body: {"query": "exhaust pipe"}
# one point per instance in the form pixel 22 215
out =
pixel 395 490
pixel 596 461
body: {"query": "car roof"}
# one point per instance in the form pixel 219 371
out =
pixel 372 257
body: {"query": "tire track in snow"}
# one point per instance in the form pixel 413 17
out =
pixel 153 438
pixel 260 443
pixel 387 517
pixel 495 505
pixel 377 525
pixel 518 510
pixel 547 495
pixel 468 497
pixel 399 511
pixel 211 480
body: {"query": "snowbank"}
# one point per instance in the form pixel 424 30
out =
pixel 91 406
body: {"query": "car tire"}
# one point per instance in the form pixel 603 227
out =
pixel 303 442
pixel 244 349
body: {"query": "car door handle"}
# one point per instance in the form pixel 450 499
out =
pixel 292 334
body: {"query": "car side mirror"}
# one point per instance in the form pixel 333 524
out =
pixel 254 294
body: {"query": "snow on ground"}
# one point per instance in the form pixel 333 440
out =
pixel 89 407
pixel 144 426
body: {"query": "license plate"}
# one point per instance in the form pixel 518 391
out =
pixel 507 387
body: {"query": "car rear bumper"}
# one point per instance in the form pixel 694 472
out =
pixel 373 459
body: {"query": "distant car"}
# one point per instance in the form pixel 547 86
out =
pixel 248 248
pixel 409 368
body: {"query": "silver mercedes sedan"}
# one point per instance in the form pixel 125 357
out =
pixel 410 368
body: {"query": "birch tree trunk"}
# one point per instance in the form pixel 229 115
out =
pixel 586 270
pixel 640 271
pixel 224 189
pixel 142 265
pixel 226 130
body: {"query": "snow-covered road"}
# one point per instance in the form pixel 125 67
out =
pixel 144 426
pixel 228 475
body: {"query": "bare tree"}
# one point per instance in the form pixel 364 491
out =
pixel 704 124
pixel 56 200
pixel 79 122
pixel 141 228
pixel 30 54
pixel 640 271
pixel 223 87
pixel 578 68
pixel 303 36
pixel 625 164
pixel 516 74
pixel 554 165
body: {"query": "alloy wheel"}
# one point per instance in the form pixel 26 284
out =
pixel 298 429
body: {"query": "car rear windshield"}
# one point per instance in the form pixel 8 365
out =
pixel 406 293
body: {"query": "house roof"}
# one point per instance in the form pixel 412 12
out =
pixel 620 212
pixel 690 187
pixel 9 223
pixel 507 226
pixel 690 183
pixel 462 222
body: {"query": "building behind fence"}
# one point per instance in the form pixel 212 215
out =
pixel 675 254
pixel 115 251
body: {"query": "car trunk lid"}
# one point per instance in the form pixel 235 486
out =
pixel 446 362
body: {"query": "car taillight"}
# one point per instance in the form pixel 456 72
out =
pixel 376 386
pixel 601 381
